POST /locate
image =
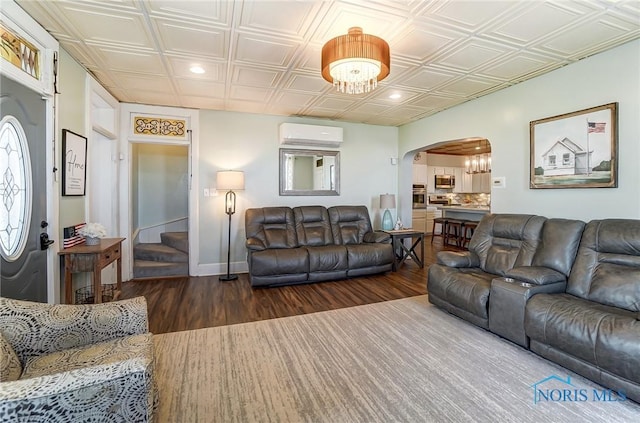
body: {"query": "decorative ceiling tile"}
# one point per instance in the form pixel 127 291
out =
pixel 194 88
pixel 255 77
pixel 264 56
pixel 264 50
pixel 196 40
pixel 257 95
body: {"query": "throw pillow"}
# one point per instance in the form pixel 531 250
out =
pixel 10 368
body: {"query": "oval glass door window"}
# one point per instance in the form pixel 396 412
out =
pixel 15 188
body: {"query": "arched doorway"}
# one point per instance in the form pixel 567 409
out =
pixel 454 174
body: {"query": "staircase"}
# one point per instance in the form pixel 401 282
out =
pixel 165 259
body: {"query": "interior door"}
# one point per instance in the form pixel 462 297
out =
pixel 23 196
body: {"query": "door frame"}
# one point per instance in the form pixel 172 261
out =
pixel 127 138
pixel 17 20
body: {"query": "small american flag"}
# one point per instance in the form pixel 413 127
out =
pixel 597 127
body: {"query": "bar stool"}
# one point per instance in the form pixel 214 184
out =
pixel 443 222
pixel 454 232
pixel 468 229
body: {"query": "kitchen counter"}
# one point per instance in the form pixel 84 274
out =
pixel 464 212
pixel 470 209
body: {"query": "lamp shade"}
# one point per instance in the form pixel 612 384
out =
pixel 387 201
pixel 354 63
pixel 230 180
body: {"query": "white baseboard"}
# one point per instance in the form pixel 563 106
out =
pixel 219 269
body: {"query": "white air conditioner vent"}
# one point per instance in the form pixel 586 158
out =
pixel 315 135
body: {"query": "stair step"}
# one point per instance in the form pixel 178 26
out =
pixel 159 252
pixel 148 269
pixel 177 240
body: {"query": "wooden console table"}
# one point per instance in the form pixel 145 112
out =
pixel 92 258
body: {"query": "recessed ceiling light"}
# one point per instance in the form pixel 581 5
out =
pixel 197 69
pixel 395 96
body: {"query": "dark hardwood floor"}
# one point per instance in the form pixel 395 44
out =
pixel 177 304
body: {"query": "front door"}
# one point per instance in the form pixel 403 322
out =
pixel 23 195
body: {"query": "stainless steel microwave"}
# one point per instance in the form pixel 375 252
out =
pixel 445 181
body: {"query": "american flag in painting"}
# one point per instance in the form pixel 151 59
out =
pixel 597 127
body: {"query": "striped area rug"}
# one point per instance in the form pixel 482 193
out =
pixel 396 361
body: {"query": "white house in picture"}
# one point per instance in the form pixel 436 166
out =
pixel 565 158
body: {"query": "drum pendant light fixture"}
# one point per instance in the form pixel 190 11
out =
pixel 354 63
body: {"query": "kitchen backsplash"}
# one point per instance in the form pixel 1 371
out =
pixel 481 199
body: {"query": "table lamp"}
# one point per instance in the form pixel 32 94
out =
pixel 387 201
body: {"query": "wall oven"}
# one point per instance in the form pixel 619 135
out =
pixel 445 181
pixel 419 196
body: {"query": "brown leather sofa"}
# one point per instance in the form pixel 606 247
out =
pixel 312 243
pixel 568 291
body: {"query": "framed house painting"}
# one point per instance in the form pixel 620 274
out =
pixel 575 150
pixel 74 163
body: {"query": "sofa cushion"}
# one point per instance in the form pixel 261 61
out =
pixel 505 241
pixel 10 368
pixel 369 255
pixel 313 226
pixel 277 261
pixel 604 336
pixel 328 258
pixel 560 239
pixel 270 227
pixel 607 267
pixel 109 352
pixel 465 288
pixel 349 224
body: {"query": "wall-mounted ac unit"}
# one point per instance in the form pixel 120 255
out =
pixel 299 134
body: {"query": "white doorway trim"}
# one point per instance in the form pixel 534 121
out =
pixel 16 19
pixel 127 138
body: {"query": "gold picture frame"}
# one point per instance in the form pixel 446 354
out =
pixel 575 150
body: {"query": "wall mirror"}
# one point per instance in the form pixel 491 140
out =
pixel 309 172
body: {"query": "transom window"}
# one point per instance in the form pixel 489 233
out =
pixel 15 188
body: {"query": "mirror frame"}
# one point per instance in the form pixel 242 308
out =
pixel 303 152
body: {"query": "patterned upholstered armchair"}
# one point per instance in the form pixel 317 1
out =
pixel 76 363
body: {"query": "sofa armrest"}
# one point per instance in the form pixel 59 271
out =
pixel 377 237
pixel 458 259
pixel 536 275
pixel 254 244
pixel 37 328
pixel 122 391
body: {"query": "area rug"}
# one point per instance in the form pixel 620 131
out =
pixel 396 361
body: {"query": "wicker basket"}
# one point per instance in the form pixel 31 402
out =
pixel 85 294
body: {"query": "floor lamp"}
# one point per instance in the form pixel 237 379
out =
pixel 229 180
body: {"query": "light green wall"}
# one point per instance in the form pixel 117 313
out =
pixel 249 142
pixel 72 116
pixel 161 192
pixel 503 118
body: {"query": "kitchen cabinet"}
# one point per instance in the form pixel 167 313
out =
pixel 458 173
pixel 418 220
pixel 420 174
pixel 482 182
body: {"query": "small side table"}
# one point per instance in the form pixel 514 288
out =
pixel 91 258
pixel 400 250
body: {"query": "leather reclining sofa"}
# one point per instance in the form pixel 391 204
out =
pixel 312 244
pixel 567 290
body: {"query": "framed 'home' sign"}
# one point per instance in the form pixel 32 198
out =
pixel 575 150
pixel 74 163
